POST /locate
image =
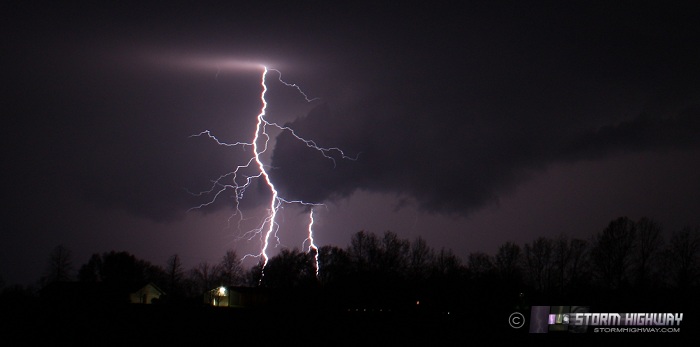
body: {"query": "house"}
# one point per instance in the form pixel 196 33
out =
pixel 238 297
pixel 146 294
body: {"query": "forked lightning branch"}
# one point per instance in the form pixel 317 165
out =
pixel 267 229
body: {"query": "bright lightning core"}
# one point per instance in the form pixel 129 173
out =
pixel 268 228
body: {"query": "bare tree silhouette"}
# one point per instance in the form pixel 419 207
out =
pixel 683 258
pixel 539 261
pixel 612 253
pixel 60 266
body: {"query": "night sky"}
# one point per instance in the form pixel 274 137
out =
pixel 472 123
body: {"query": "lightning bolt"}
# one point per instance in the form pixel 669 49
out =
pixel 268 227
pixel 310 238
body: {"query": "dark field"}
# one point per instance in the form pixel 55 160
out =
pixel 135 325
pixel 181 325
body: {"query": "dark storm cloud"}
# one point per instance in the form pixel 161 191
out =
pixel 457 171
pixel 461 113
pixel 641 133
pixel 449 104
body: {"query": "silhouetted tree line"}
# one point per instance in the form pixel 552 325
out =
pixel 628 261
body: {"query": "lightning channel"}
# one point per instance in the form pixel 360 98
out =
pixel 310 238
pixel 267 229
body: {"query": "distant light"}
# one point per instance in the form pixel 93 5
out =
pixel 222 290
pixel 417 302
